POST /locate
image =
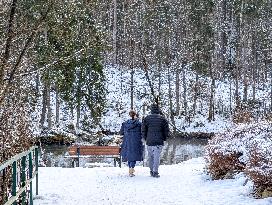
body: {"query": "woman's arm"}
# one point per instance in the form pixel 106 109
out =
pixel 121 132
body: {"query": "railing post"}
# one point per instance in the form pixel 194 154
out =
pixel 23 179
pixel 3 186
pixel 36 169
pixel 20 178
pixel 14 180
pixel 30 176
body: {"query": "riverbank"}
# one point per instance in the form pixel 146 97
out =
pixel 181 184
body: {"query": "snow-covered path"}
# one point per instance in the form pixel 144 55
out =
pixel 182 184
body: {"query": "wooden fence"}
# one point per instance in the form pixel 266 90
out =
pixel 17 175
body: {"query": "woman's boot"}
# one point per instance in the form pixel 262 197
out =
pixel 131 172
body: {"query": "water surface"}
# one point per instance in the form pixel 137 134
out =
pixel 174 151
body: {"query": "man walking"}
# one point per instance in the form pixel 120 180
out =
pixel 155 130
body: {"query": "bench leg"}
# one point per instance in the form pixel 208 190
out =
pixel 73 163
pixel 114 162
pixel 119 161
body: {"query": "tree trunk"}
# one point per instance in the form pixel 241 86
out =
pixel 237 97
pixel 131 88
pixel 114 35
pixel 170 99
pixel 77 115
pixel 211 107
pixel 212 66
pixel 177 92
pixel 160 67
pixel 37 85
pixel 160 77
pixel 239 65
pixel 57 106
pixel 223 35
pixel 48 105
pixel 195 94
pixel 78 97
pixel 271 88
pixel 254 68
pixel 230 60
pixel 43 114
pixel 245 88
pixel 184 94
pixel 132 76
pixel 230 92
pixel 144 110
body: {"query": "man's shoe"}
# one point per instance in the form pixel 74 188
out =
pixel 151 173
pixel 156 174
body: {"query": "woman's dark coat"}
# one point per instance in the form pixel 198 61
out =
pixel 132 147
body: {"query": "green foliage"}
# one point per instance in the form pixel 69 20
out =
pixel 202 43
pixel 250 8
pixel 69 50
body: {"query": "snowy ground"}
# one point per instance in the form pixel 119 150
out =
pixel 181 184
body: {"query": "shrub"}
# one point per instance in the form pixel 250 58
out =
pixel 242 116
pixel 259 168
pixel 222 156
pixel 246 148
pixel 220 165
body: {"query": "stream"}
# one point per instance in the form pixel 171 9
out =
pixel 175 150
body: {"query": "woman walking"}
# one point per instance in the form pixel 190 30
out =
pixel 132 147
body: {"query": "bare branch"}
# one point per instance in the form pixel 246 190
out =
pixel 9 40
pixel 22 53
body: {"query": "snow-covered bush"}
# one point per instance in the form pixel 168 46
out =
pixel 245 148
pixel 223 156
pixel 259 168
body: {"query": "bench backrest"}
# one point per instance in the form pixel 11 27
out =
pixel 94 150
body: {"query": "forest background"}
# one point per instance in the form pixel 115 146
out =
pixel 55 56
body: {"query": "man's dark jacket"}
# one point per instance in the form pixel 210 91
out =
pixel 155 128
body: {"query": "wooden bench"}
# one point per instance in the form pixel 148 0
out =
pixel 84 151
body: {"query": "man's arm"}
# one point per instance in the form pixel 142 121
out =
pixel 144 129
pixel 166 129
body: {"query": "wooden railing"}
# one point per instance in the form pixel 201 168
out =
pixel 18 173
